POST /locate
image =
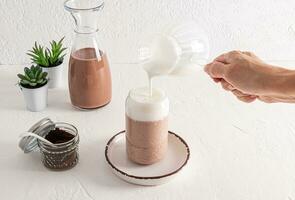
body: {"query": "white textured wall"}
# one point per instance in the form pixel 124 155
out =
pixel 266 27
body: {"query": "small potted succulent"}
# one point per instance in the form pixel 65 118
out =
pixel 50 60
pixel 34 85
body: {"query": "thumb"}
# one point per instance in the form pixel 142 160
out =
pixel 216 69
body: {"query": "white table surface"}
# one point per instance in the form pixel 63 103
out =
pixel 238 151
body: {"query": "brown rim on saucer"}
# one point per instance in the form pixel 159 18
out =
pixel 147 177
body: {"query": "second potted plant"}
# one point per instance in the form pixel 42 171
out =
pixel 34 85
pixel 50 60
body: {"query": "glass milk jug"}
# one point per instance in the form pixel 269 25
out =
pixel 89 75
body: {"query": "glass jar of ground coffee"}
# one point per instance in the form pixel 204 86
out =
pixel 61 152
pixel 64 153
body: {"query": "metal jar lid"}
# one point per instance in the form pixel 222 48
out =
pixel 41 128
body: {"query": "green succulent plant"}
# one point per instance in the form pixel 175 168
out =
pixel 46 57
pixel 33 77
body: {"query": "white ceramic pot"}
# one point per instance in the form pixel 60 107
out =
pixel 36 98
pixel 54 75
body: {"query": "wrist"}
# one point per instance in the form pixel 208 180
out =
pixel 283 82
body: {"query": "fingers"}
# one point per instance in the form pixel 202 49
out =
pixel 229 57
pixel 216 69
pixel 221 58
pixel 248 53
pixel 247 99
pixel 216 80
pixel 276 99
pixel 239 93
pixel 267 99
pixel 225 85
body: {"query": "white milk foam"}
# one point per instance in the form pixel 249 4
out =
pixel 140 106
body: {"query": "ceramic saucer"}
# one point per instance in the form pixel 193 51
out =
pixel 176 158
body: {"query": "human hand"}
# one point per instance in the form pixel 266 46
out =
pixel 249 78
